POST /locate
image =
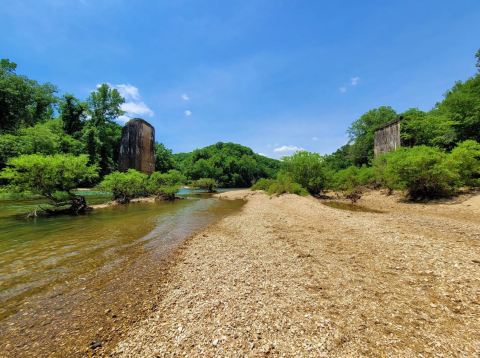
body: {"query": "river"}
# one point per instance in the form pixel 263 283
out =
pixel 58 274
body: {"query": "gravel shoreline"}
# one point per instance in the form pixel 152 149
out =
pixel 288 276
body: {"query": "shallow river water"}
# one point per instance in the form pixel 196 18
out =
pixel 39 255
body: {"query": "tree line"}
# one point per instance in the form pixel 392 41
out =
pixel 440 152
pixel 50 145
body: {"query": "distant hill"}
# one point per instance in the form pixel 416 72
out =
pixel 232 165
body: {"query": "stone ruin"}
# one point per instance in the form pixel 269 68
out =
pixel 137 146
pixel 387 137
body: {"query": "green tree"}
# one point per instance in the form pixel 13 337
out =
pixel 73 114
pixel 207 184
pixel 163 158
pixel 43 138
pixel 307 169
pixel 362 133
pixel 165 185
pixel 104 106
pixel 465 158
pixel 230 164
pixel 125 186
pixel 53 177
pixel 424 172
pixel 432 128
pixel 462 106
pixel 340 159
pixel 23 102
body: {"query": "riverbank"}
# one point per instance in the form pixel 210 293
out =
pixel 290 276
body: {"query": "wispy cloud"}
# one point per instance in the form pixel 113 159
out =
pixel 287 148
pixel 133 106
pixel 188 113
pixel 354 81
pixel 315 138
pixel 185 97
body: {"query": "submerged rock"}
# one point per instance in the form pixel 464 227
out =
pixel 137 146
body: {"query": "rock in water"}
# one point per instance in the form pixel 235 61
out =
pixel 137 147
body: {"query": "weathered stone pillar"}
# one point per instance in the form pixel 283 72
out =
pixel 387 137
pixel 137 147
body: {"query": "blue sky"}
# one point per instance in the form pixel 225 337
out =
pixel 273 75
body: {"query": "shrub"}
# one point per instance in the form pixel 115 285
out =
pixel 207 184
pixel 423 171
pixel 307 169
pixel 352 180
pixel 285 184
pixel 167 192
pixel 465 158
pixel 172 177
pixel 165 185
pixel 125 185
pixel 263 184
pixel 52 176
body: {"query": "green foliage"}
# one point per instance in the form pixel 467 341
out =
pixel 52 176
pixel 362 133
pixel 262 184
pixel 23 102
pixel 164 160
pixel 44 138
pixel 281 185
pixel 104 106
pixel 9 148
pixel 352 181
pixel 307 169
pixel 353 177
pixel 462 106
pixel 465 158
pixel 172 177
pixel 231 165
pixel 167 192
pixel 207 184
pixel 165 185
pixel 423 171
pixel 73 114
pixel 340 159
pixel 432 128
pixel 125 186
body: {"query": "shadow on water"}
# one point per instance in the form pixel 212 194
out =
pixel 349 206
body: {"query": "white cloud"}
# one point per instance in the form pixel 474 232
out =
pixel 287 148
pixel 354 80
pixel 137 108
pixel 129 92
pixel 185 97
pixel 188 113
pixel 343 89
pixel 133 106
pixel 315 138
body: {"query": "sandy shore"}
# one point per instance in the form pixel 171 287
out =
pixel 289 276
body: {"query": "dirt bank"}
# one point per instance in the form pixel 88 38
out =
pixel 289 276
